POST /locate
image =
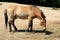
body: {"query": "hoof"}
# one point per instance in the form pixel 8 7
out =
pixel 29 30
pixel 44 30
pixel 10 30
pixel 16 30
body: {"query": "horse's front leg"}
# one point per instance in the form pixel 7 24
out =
pixel 30 24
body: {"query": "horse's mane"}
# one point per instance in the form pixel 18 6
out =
pixel 41 12
pixel 37 7
pixel 43 15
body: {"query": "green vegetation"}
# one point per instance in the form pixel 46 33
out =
pixel 52 3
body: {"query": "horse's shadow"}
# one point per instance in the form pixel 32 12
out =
pixel 35 31
pixel 41 31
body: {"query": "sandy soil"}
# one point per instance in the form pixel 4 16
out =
pixel 53 26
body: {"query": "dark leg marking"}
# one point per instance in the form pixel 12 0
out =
pixel 14 25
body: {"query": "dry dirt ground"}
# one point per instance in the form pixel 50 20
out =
pixel 53 26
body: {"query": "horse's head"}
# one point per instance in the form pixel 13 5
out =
pixel 43 22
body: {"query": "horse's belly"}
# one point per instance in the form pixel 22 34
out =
pixel 22 16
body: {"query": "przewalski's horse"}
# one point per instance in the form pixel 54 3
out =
pixel 24 12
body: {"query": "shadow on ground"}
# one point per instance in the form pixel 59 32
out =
pixel 35 31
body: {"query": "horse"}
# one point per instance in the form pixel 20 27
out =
pixel 13 12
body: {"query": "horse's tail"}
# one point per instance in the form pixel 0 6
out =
pixel 6 18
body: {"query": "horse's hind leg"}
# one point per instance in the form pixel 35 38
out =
pixel 30 23
pixel 14 25
pixel 11 22
pixel 10 27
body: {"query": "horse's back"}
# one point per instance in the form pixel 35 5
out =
pixel 23 11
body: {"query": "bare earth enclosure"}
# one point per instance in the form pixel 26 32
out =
pixel 53 25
